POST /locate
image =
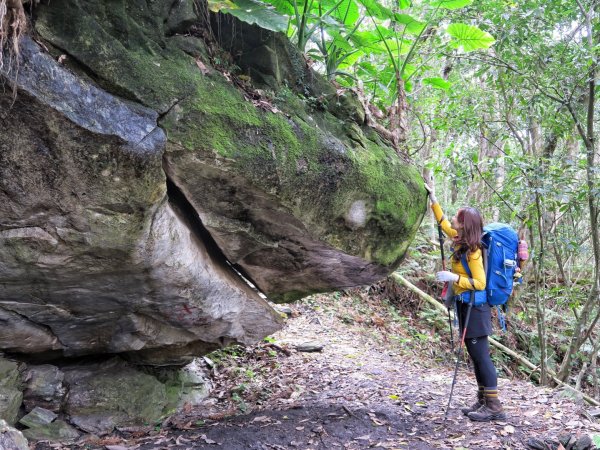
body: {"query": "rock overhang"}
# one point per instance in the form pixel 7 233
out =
pixel 296 198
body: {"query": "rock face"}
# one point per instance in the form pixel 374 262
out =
pixel 137 183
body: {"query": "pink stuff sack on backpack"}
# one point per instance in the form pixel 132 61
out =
pixel 523 250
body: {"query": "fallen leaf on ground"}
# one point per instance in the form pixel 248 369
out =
pixel 262 419
pixel 207 440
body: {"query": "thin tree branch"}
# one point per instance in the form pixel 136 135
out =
pixel 498 194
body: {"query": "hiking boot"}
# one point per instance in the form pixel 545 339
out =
pixel 491 410
pixel 475 406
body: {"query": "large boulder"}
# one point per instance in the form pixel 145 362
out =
pixel 141 189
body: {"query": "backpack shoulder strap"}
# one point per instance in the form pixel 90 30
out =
pixel 484 255
pixel 465 264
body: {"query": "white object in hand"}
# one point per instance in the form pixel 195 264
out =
pixel 431 193
pixel 444 276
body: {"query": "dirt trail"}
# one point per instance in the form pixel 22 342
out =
pixel 356 393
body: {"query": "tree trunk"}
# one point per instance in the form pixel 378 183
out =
pixel 399 117
pixel 586 133
pixel 533 140
pixel 497 156
pixel 538 269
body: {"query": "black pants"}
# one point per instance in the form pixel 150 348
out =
pixel 479 351
pixel 476 340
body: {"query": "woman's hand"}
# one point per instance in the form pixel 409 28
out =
pixel 429 190
pixel 444 276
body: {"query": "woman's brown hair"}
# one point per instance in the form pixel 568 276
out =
pixel 468 239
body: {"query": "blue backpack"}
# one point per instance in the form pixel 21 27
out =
pixel 500 243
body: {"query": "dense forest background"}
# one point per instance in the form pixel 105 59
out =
pixel 496 100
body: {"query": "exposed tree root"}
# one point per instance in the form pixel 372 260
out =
pixel 13 23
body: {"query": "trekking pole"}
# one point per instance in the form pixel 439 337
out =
pixel 441 238
pixel 459 353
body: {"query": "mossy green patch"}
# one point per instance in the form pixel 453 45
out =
pixel 130 396
pixel 216 118
pixel 400 202
pixel 10 402
pixel 10 390
pixel 55 431
pixel 9 374
pixel 319 176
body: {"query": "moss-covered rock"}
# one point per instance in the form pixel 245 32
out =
pixel 300 195
pixel 10 375
pixel 115 393
pixel 11 393
pixel 10 402
pixel 58 430
pixel 124 47
pixel 186 385
pixel 38 417
pixel 102 396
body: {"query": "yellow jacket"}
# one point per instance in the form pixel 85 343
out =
pixel 474 259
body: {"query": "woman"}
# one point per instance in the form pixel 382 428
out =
pixel 465 230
